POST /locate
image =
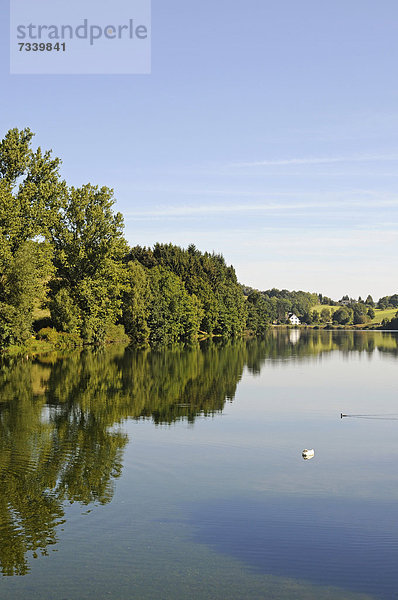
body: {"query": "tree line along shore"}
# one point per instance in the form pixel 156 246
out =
pixel 68 277
pixel 316 310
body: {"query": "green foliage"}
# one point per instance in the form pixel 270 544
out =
pixel 232 307
pixel 258 316
pixel 392 324
pixel 31 192
pixel 157 307
pixel 388 302
pixel 88 244
pixel 281 302
pixel 59 339
pixel 315 317
pixel 371 312
pixel 22 283
pixel 64 312
pixel 342 316
pixel 116 333
pixel 325 315
pixel 360 318
pixel 383 303
pixel 326 300
pixel 217 305
pixel 360 312
pixel 306 317
pixel 30 196
pixel 173 314
pixel 137 297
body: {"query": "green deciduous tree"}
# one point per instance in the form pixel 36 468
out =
pixel 173 315
pixel 360 311
pixel 22 284
pixel 88 247
pixel 394 301
pixel 137 299
pixel 325 315
pixel 30 196
pixel 258 314
pixel 211 284
pixel 342 316
pixel 383 302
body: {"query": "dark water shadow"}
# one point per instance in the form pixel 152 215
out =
pixel 344 543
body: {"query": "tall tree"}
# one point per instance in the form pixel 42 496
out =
pixel 174 315
pixel 325 315
pixel 137 298
pixel 89 247
pixel 258 317
pixel 342 316
pixel 31 194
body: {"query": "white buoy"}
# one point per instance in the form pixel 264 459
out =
pixel 307 454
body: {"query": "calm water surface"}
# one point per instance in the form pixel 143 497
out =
pixel 178 473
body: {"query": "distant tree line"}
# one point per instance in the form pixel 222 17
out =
pixel 355 313
pixel 274 305
pixel 392 323
pixel 277 304
pixel 388 302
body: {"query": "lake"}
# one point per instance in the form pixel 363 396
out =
pixel 178 473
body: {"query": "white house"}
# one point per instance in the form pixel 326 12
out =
pixel 294 320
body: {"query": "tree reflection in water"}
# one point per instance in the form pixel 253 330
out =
pixel 61 417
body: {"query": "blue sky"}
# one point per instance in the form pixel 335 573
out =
pixel 266 131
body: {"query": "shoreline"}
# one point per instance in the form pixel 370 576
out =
pixel 333 328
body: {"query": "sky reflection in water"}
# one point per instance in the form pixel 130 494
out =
pixel 183 457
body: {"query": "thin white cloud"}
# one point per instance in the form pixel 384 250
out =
pixel 188 211
pixel 269 195
pixel 205 209
pixel 318 160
